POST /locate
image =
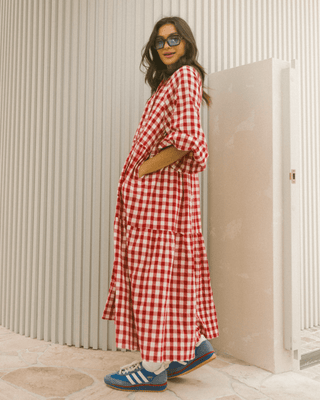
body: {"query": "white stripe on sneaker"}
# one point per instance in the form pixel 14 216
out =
pixel 142 376
pixel 136 378
pixel 131 380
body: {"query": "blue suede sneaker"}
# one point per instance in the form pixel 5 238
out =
pixel 133 377
pixel 204 354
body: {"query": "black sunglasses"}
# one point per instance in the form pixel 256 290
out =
pixel 171 40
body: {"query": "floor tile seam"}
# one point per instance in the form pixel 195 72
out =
pixel 251 387
pixel 23 360
pixel 49 346
pixel 174 393
pixel 18 355
pixel 264 380
pixel 40 354
pixel 232 378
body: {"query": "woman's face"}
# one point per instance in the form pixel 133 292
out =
pixel 170 55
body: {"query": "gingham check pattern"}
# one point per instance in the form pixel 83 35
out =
pixel 160 294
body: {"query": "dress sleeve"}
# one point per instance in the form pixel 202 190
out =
pixel 184 131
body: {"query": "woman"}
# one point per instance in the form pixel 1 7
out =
pixel 160 294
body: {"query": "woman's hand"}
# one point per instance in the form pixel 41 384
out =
pixel 164 158
pixel 142 170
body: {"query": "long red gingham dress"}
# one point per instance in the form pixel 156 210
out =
pixel 160 294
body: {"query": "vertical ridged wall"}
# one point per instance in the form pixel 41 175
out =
pixel 71 96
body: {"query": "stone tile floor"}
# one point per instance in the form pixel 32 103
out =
pixel 310 340
pixel 32 369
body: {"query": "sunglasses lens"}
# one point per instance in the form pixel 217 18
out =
pixel 174 41
pixel 159 44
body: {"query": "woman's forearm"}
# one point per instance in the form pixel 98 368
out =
pixel 163 159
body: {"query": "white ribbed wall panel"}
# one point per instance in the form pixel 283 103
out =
pixel 71 99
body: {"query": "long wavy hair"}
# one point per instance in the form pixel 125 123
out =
pixel 156 70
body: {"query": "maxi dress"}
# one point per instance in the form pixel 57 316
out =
pixel 160 294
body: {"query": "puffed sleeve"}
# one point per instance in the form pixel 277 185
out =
pixel 184 130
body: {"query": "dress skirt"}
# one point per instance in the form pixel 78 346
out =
pixel 160 298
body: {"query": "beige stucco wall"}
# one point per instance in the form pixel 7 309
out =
pixel 246 225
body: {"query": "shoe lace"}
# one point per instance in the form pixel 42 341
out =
pixel 129 367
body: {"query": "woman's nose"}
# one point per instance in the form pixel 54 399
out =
pixel 166 45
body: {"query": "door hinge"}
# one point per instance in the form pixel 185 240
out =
pixel 292 176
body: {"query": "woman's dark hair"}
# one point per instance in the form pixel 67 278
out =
pixel 156 70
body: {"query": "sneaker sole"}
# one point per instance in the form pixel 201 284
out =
pixel 213 356
pixel 136 388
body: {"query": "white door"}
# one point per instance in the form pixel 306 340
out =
pixel 253 209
